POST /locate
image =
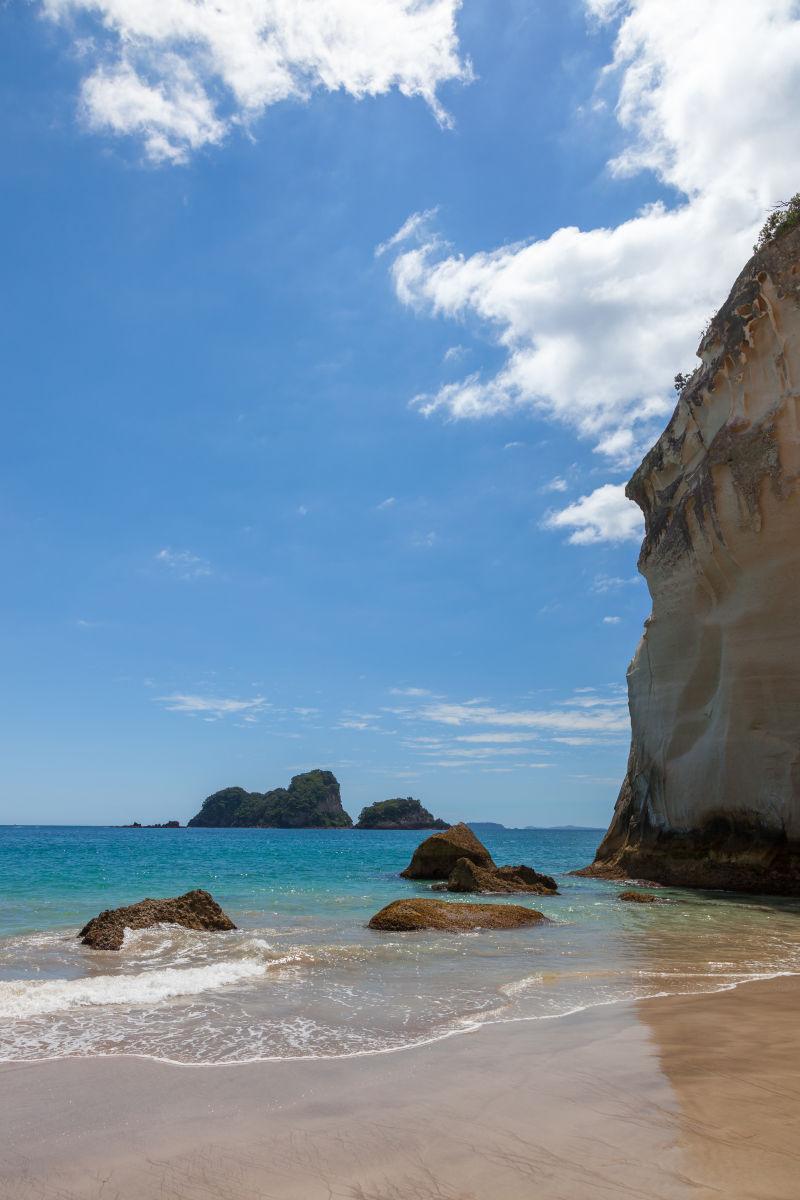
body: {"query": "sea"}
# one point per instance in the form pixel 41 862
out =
pixel 303 976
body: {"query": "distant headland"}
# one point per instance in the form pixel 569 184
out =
pixel 311 801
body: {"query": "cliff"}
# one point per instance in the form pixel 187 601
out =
pixel 312 800
pixel 711 797
pixel 401 813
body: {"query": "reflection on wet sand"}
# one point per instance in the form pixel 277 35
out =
pixel 733 1063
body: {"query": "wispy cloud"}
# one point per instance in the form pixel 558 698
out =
pixel 409 691
pixel 183 564
pixel 609 717
pixel 389 502
pixel 612 583
pixel 611 620
pixel 558 484
pixel 213 707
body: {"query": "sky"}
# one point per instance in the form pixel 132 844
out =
pixel 332 330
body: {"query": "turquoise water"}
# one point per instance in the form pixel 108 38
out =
pixel 303 975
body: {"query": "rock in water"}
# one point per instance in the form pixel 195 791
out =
pixel 311 801
pixel 437 855
pixel 408 915
pixel 467 877
pixel 194 910
pixel 641 898
pixel 712 793
pixel 404 812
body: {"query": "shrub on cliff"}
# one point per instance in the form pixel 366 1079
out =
pixel 782 218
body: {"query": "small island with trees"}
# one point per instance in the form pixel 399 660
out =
pixel 403 812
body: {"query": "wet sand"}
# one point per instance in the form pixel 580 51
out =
pixel 675 1098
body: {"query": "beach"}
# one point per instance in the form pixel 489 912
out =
pixel 684 1096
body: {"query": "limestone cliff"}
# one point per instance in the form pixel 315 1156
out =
pixel 712 793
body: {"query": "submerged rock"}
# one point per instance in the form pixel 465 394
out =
pixel 194 910
pixel 437 855
pixel 311 801
pixel 641 898
pixel 400 813
pixel 711 797
pixel 467 877
pixel 417 913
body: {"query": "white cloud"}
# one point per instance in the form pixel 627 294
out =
pixel 210 707
pixel 453 353
pixel 180 74
pixel 413 229
pixel 595 323
pixel 611 583
pixel 605 515
pixel 513 445
pixel 555 485
pixel 409 691
pixel 611 620
pixel 425 541
pixel 183 564
pixel 611 717
pixel 389 502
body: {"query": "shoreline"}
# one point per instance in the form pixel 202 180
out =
pixel 471 1026
pixel 662 1100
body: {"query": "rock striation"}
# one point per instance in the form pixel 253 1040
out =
pixel 194 910
pixel 437 855
pixel 711 797
pixel 410 915
pixel 311 801
pixel 404 812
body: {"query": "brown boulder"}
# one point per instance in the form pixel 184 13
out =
pixel 194 910
pixel 437 855
pixel 641 898
pixel 467 877
pixel 418 913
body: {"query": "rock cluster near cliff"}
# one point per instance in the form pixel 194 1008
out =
pixel 467 877
pixel 712 792
pixel 311 801
pixel 459 858
pixel 403 812
pixel 194 910
pixel 437 855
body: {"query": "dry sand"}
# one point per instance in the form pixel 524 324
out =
pixel 683 1097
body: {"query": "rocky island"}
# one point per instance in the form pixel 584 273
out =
pixel 400 813
pixel 311 801
pixel 711 797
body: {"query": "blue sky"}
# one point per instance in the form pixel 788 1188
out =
pixel 273 498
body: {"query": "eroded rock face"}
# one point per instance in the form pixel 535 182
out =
pixel 437 855
pixel 467 877
pixel 416 913
pixel 712 793
pixel 193 910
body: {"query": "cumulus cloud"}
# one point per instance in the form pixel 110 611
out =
pixel 605 515
pixel 180 74
pixel 595 323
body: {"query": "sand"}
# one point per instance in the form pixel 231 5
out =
pixel 675 1098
